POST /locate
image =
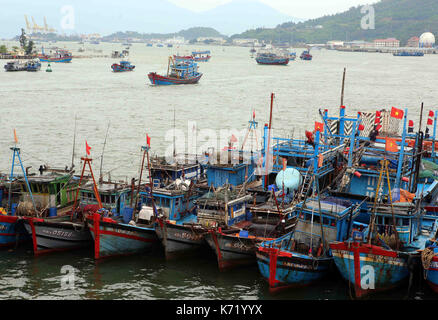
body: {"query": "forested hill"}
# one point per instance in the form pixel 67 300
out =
pixel 400 19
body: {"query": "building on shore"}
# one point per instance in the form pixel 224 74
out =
pixel 386 43
pixel 413 42
pixel 245 42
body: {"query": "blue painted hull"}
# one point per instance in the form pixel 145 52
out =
pixel 369 268
pixel 156 79
pixel 282 62
pixel 285 269
pixel 11 232
pixel 65 60
pixel 431 272
pixel 115 239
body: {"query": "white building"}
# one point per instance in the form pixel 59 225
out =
pixel 390 42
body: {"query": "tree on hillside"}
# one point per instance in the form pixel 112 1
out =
pixel 3 49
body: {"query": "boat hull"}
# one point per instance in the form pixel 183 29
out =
pixel 63 60
pixel 277 62
pixel 282 269
pixel 51 236
pixel 179 240
pixel 116 239
pixel 369 268
pixel 231 250
pixel 157 79
pixel 431 274
pixel 11 231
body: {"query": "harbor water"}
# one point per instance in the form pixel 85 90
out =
pixel 42 108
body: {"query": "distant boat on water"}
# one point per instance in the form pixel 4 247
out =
pixel 271 58
pixel 305 55
pixel 408 54
pixel 201 56
pixel 60 55
pixel 123 66
pixel 178 72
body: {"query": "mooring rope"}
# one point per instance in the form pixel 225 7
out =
pixel 427 256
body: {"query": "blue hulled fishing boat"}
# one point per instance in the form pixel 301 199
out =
pixel 305 55
pixel 270 58
pixel 178 72
pixel 122 67
pixel 201 56
pixel 302 256
pixel 379 258
pixel 408 54
pixel 59 55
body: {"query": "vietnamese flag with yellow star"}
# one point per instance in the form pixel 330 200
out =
pixel 396 113
pixel 391 145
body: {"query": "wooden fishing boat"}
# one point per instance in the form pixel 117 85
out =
pixel 60 55
pixel 270 58
pixel 178 72
pixel 201 56
pixel 305 55
pixel 302 256
pixel 122 66
pixel 237 231
pixel 382 261
pixel 15 66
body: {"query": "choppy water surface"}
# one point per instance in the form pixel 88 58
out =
pixel 42 107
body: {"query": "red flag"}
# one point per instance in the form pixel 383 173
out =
pixel 87 147
pixel 391 145
pixel 319 126
pixel 411 123
pixel 233 138
pixel 15 136
pixel 253 114
pixel 378 114
pixel 361 127
pixel 148 140
pixel 396 113
pixel 379 127
pixel 429 122
pixel 431 114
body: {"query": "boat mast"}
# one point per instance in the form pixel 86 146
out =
pixel 74 144
pixel 269 138
pixel 101 157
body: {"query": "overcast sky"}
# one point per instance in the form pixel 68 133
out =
pixel 306 9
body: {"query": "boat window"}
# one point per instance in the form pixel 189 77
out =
pixel 326 221
pixel 405 222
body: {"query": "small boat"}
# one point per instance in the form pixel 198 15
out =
pixel 292 56
pixel 127 44
pixel 408 54
pixel 178 72
pixel 201 56
pixel 123 66
pixel 15 66
pixel 60 55
pixel 305 55
pixel 159 45
pixel 149 45
pixel 33 65
pixel 94 42
pixel 169 45
pixel 49 68
pixel 303 256
pixel 271 58
pixel 380 257
pixel 238 230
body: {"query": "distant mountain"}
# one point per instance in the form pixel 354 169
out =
pixel 188 34
pixel 401 19
pixel 241 15
pixel 145 16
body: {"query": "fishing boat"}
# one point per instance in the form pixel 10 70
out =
pixel 380 257
pixel 33 65
pixel 122 67
pixel 302 256
pixel 408 54
pixel 60 55
pixel 271 58
pixel 125 231
pixel 178 72
pixel 201 56
pixel 292 56
pixel 234 231
pixel 149 45
pixel 15 66
pixel 305 55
